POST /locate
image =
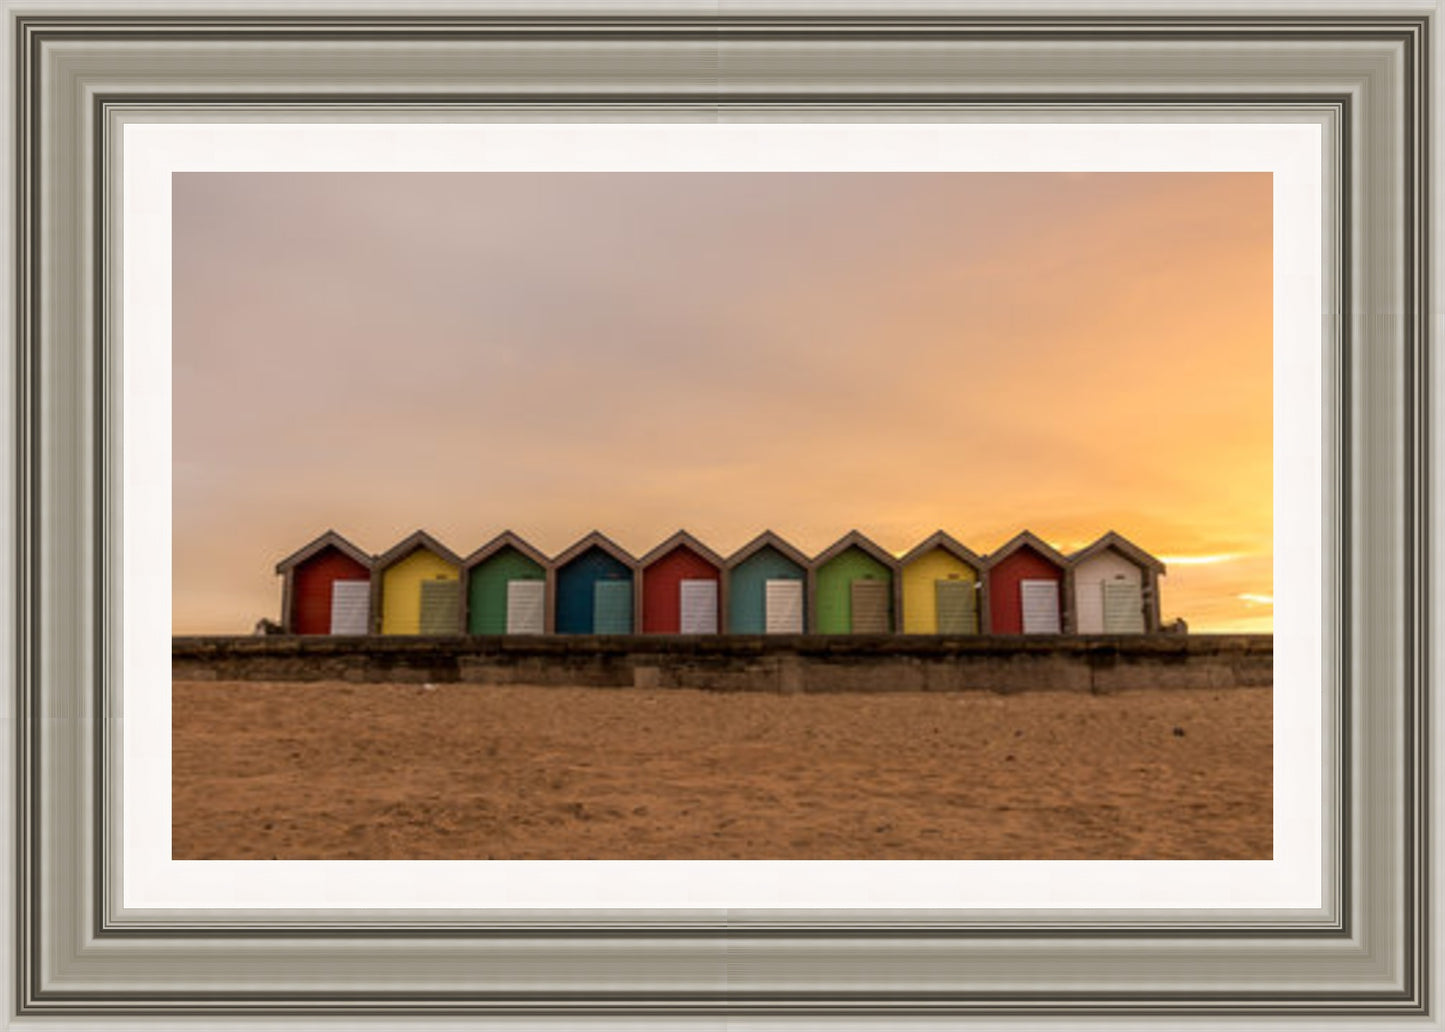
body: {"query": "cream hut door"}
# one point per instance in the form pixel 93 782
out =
pixel 1123 608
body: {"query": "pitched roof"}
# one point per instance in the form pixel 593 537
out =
pixel 682 539
pixel 599 540
pixel 767 539
pixel 506 539
pixel 1122 545
pixel 947 542
pixel 856 539
pixel 409 544
pixel 1025 539
pixel 330 539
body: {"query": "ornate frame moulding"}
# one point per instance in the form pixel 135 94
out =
pixel 79 75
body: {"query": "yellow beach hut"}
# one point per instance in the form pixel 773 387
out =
pixel 942 587
pixel 417 585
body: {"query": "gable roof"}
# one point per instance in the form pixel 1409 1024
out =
pixel 946 541
pixel 506 539
pixel 330 539
pixel 682 539
pixel 1020 540
pixel 767 539
pixel 599 540
pixel 856 539
pixel 409 544
pixel 1122 545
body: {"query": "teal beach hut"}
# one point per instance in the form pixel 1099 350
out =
pixel 767 587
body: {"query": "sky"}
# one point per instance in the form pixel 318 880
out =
pixel 811 353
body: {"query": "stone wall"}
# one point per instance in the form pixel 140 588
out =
pixel 803 663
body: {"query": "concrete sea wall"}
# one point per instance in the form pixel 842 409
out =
pixel 803 663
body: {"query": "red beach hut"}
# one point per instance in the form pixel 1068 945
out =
pixel 681 581
pixel 311 602
pixel 1026 587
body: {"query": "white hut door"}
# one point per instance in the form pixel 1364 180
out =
pixel 699 606
pixel 526 606
pixel 783 606
pixel 1040 599
pixel 350 606
pixel 1123 608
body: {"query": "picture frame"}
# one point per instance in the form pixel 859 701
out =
pixel 1361 71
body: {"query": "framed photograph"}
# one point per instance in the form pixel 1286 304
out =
pixel 1060 346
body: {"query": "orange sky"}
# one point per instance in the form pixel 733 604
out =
pixel 806 352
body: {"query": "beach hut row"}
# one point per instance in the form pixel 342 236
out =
pixel 507 586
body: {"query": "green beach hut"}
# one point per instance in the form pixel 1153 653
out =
pixel 854 584
pixel 508 582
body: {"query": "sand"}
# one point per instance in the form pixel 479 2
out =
pixel 392 772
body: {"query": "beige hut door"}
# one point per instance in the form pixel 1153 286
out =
pixel 783 606
pixel 1123 608
pixel 350 606
pixel 1040 600
pixel 526 606
pixel 870 606
pixel 441 606
pixel 699 606
pixel 956 605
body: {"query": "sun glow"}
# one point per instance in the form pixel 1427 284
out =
pixel 1201 560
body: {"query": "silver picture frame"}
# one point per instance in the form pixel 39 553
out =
pixel 79 73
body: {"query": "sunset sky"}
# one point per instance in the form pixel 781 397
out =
pixel 723 352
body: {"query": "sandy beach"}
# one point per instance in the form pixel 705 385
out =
pixel 453 771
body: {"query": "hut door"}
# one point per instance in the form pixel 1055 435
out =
pixel 783 606
pixel 526 606
pixel 870 606
pixel 957 606
pixel 1123 608
pixel 350 606
pixel 612 607
pixel 1040 599
pixel 699 606
pixel 441 606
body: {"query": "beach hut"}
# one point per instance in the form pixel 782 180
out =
pixel 507 583
pixel 942 587
pixel 594 584
pixel 680 587
pixel 766 584
pixel 326 588
pixel 853 587
pixel 1025 584
pixel 416 588
pixel 1115 587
